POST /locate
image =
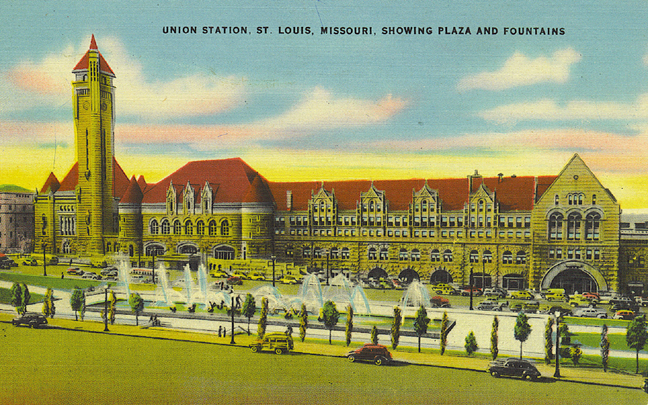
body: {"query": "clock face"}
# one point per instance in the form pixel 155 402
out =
pixel 86 105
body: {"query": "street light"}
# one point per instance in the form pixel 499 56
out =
pixel 232 312
pixel 557 372
pixel 44 261
pixel 471 288
pixel 106 309
pixel 328 272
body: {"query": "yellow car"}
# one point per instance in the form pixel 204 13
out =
pixel 257 276
pixel 444 289
pixel 288 280
pixel 556 296
pixel 219 274
pixel 522 295
pixel 240 275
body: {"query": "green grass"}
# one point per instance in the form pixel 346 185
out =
pixel 53 282
pixel 5 297
pixel 596 322
pixel 119 369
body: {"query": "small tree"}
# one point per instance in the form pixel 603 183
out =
pixel 471 343
pixel 249 309
pixel 349 325
pixel 137 305
pixel 549 340
pixel 48 303
pixel 522 329
pixel 303 322
pixel 421 322
pixel 26 296
pixel 263 318
pixel 395 329
pixel 636 336
pixel 330 316
pixel 83 307
pixel 575 354
pixel 112 308
pixel 494 340
pixel 16 296
pixel 444 332
pixel 76 300
pixel 605 347
pixel 374 335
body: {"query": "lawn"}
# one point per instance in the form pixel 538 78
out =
pixel 5 297
pixel 49 281
pixel 105 368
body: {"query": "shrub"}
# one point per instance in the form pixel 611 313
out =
pixel 471 343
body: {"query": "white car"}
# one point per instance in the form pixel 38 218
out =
pixel 591 313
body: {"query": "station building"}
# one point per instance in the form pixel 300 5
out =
pixel 512 231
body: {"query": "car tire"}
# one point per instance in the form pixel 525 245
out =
pixel 254 349
pixel 14 323
pixel 494 374
pixel 278 351
pixel 378 361
pixel 439 292
pixel 351 358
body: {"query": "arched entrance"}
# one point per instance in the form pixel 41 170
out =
pixel 441 276
pixel 481 280
pixel 574 275
pixel 377 273
pixel 513 281
pixel 408 275
pixel 188 249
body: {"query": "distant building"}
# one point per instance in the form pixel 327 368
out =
pixel 16 222
pixel 513 231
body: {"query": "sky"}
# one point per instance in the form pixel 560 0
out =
pixel 547 80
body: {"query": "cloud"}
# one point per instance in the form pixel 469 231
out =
pixel 47 82
pixel 520 70
pixel 549 110
pixel 318 110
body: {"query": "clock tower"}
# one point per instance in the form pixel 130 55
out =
pixel 93 96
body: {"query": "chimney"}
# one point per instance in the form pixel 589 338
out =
pixel 289 200
pixel 470 180
pixel 499 176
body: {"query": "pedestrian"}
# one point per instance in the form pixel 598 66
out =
pixel 220 330
pixel 62 275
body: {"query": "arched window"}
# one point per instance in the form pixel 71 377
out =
pixel 520 258
pixel 188 228
pixel 384 254
pixel 507 257
pixel 447 256
pixel 177 227
pixel 212 228
pixel 335 253
pixel 474 256
pixel 555 226
pixel 416 255
pixel 573 226
pixel 200 228
pixel 592 225
pixel 403 255
pixel 154 250
pixel 153 227
pixel 166 228
pixel 593 199
pixel 131 251
pixel 371 254
pixel 345 253
pixel 225 228
pixel 435 256
pixel 556 199
pixel 224 252
pixel 487 256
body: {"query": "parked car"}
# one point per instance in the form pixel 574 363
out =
pixel 257 276
pixel 591 313
pixel 439 302
pixel 378 354
pixel 643 301
pixel 591 295
pixel 621 300
pixel 278 342
pixel 556 296
pixel 488 305
pixel 288 280
pixel 219 274
pixel 624 314
pixel 555 308
pixel 74 271
pixel 109 271
pixel 495 292
pixel 91 276
pixel 240 275
pixel 633 306
pixel 444 289
pixel 522 295
pixel 234 281
pixel 530 307
pixel 514 367
pixel 580 301
pixel 31 319
pixel 475 291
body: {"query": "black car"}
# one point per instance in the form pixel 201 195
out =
pixel 31 319
pixel 378 354
pixel 514 367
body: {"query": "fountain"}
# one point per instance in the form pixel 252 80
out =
pixel 165 295
pixel 124 269
pixel 341 291
pixel 416 295
pixel 275 299
pixel 310 294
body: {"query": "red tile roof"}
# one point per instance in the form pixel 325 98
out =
pixel 83 63
pixel 51 184
pixel 513 193
pixel 133 194
pixel 120 183
pixel 230 180
pixel 258 192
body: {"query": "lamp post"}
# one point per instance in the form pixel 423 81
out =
pixel 557 372
pixel 471 288
pixel 232 312
pixel 273 269
pixel 106 310
pixel 328 272
pixel 44 261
